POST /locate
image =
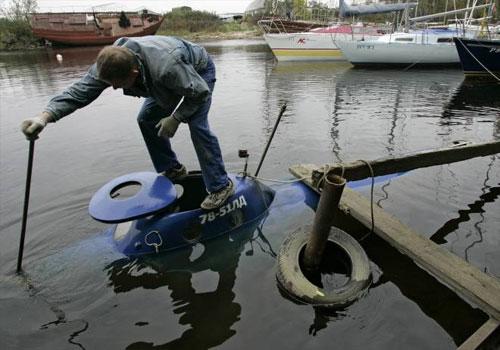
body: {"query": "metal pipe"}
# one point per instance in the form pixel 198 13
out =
pixel 283 108
pixel 323 220
pixel 442 14
pixel 26 203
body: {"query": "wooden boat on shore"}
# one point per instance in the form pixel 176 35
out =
pixel 93 28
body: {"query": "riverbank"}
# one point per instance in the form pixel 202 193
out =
pixel 16 45
pixel 16 34
pixel 10 42
pixel 249 34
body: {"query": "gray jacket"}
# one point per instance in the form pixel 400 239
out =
pixel 168 68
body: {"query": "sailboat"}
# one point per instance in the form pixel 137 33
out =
pixel 321 43
pixel 430 46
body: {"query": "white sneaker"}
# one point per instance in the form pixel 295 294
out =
pixel 216 199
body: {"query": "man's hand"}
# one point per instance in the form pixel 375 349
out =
pixel 33 126
pixel 167 126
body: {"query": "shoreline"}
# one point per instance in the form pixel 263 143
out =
pixel 196 36
pixel 252 34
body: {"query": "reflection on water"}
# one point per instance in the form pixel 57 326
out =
pixel 472 99
pixel 209 315
pixel 488 195
pixel 224 293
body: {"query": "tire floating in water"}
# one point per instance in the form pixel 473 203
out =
pixel 292 280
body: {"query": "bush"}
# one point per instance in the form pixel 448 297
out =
pixel 184 19
pixel 16 34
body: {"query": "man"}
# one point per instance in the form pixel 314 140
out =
pixel 166 71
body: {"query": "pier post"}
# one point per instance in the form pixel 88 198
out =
pixel 323 220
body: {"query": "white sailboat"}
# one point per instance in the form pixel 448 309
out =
pixel 429 46
pixel 321 43
pixel 318 44
pixel 413 47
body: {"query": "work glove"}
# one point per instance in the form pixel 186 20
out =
pixel 167 126
pixel 32 127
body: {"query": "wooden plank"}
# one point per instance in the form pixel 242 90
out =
pixel 480 335
pixel 359 170
pixel 464 279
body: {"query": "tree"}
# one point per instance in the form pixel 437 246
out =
pixel 19 10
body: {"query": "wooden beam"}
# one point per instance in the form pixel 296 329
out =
pixel 475 340
pixel 359 170
pixel 464 279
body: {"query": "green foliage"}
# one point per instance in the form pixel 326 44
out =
pixel 17 10
pixel 15 30
pixel 185 22
pixel 16 34
pixel 299 6
pixel 184 19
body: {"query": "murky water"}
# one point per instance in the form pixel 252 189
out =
pixel 83 294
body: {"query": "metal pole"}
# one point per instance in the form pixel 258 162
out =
pixel 323 220
pixel 26 203
pixel 283 108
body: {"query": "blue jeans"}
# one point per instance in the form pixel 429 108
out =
pixel 205 142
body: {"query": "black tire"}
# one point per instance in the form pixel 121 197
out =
pixel 298 287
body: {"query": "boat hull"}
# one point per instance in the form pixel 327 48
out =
pixel 76 30
pixel 176 228
pixel 368 53
pixel 185 223
pixel 477 57
pixel 88 39
pixel 308 46
pixel 303 47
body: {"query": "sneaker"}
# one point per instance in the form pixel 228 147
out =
pixel 216 199
pixel 175 174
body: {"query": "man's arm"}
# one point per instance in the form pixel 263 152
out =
pixel 78 95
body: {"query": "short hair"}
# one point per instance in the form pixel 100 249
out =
pixel 115 62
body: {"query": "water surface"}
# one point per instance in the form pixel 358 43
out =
pixel 83 294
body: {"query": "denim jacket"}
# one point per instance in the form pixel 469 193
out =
pixel 168 68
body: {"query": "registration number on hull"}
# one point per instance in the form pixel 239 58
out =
pixel 237 203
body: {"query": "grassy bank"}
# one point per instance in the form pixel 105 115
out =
pixel 225 31
pixel 200 25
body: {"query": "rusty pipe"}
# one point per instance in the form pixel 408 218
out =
pixel 323 220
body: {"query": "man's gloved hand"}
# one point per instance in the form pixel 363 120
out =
pixel 32 127
pixel 167 126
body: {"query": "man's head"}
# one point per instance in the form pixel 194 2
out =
pixel 117 66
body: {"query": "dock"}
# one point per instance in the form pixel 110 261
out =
pixel 467 281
